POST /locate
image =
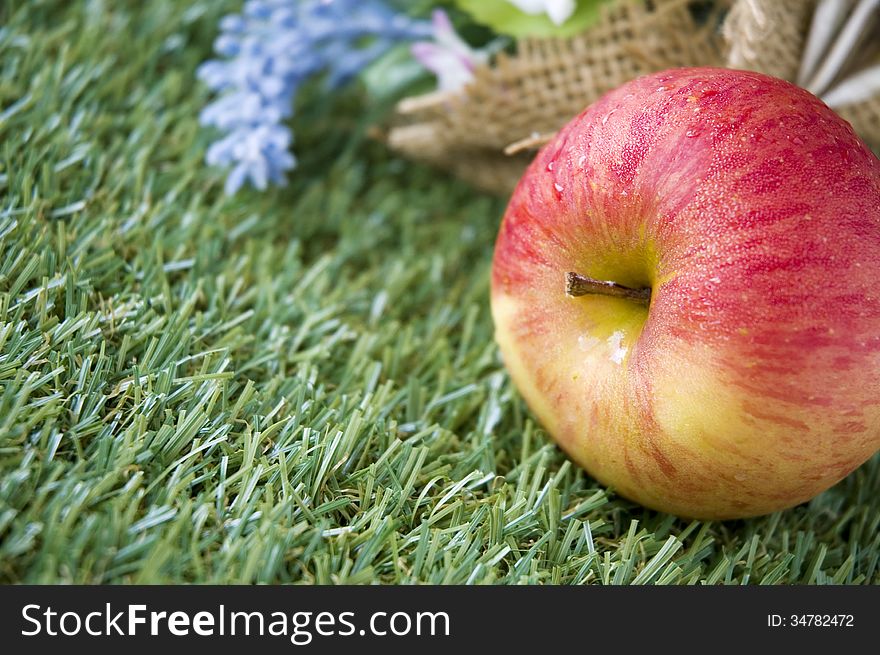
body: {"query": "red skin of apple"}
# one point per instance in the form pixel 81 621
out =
pixel 752 382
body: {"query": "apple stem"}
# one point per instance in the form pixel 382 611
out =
pixel 581 285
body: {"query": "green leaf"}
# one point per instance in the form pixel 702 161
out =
pixel 505 18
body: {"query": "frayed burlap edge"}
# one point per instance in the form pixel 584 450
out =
pixel 767 37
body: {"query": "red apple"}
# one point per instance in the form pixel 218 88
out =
pixel 731 367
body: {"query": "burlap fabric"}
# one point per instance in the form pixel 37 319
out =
pixel 548 81
pixel 769 36
pixel 545 84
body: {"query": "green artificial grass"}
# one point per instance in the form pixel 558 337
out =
pixel 293 386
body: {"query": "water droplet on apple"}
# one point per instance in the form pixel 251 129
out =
pixel 550 166
pixel 691 134
pixel 797 141
pixel 607 116
pixel 661 88
pixel 582 160
pixel 558 187
pixel 624 193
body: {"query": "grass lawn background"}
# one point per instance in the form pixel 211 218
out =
pixel 293 386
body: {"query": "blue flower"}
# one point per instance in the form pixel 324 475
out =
pixel 268 51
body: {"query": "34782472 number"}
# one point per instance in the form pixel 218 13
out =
pixel 811 621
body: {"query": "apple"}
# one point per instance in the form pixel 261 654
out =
pixel 686 292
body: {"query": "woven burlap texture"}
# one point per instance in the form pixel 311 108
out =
pixel 769 36
pixel 545 84
pixel 548 81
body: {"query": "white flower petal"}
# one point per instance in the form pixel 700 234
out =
pixel 448 56
pixel 559 11
pixel 452 71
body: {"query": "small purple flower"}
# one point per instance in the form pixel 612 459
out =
pixel 451 59
pixel 269 51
